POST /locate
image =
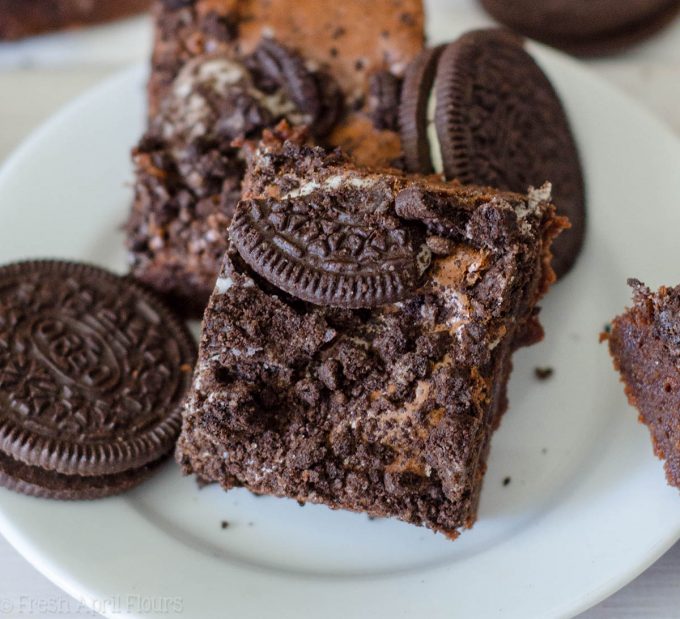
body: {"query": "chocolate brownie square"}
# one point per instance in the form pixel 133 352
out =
pixel 221 72
pixel 357 346
pixel 645 345
pixel 23 18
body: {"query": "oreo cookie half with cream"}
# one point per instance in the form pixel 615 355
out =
pixel 481 110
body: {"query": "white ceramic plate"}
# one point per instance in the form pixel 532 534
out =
pixel 586 509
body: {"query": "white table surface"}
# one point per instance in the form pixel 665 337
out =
pixel 39 75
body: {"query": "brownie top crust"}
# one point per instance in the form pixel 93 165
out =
pixel 354 40
pixel 662 310
pixel 386 405
pixel 365 47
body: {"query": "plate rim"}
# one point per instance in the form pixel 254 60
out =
pixel 17 537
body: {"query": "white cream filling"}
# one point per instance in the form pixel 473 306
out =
pixel 431 131
pixel 221 71
pixel 542 194
pixel 223 284
pixel 332 182
pixel 423 259
pixel 189 111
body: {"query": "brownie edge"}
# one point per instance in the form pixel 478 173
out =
pixel 644 343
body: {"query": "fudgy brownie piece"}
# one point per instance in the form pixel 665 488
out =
pixel 357 345
pixel 22 18
pixel 333 66
pixel 645 345
pixel 354 39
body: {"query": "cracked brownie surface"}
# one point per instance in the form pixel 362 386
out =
pixel 322 380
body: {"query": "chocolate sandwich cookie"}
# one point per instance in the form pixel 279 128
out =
pixel 480 127
pixel 413 111
pixel 340 252
pixel 585 27
pixel 93 372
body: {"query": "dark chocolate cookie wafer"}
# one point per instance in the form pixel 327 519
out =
pixel 499 122
pixel 314 93
pixel 328 253
pixel 585 27
pixel 413 111
pixel 93 370
pixel 38 482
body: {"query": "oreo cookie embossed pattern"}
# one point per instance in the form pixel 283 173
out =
pixel 93 371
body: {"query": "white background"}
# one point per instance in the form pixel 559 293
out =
pixel 39 75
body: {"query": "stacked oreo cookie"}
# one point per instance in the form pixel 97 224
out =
pixel 93 372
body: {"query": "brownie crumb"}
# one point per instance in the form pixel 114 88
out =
pixel 607 327
pixel 543 373
pixel 506 481
pixel 224 524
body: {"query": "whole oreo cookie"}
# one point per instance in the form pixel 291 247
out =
pixel 499 122
pixel 585 26
pixel 328 253
pixel 93 372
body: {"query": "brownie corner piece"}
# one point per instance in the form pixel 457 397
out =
pixel 644 343
pixel 357 346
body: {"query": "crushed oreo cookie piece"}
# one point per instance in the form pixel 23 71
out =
pixel 384 96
